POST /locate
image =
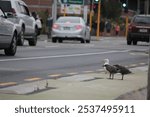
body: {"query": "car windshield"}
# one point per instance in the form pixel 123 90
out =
pixel 141 19
pixel 68 20
pixel 6 6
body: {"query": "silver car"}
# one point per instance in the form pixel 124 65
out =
pixel 70 28
pixel 8 35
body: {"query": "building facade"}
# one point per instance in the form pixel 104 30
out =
pixel 39 5
pixel 140 6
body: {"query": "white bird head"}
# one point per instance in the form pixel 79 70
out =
pixel 106 61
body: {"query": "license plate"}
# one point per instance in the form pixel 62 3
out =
pixel 66 28
pixel 143 30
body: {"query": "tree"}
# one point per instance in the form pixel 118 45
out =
pixel 111 9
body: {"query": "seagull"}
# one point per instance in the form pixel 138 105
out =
pixel 123 70
pixel 106 62
pixel 112 70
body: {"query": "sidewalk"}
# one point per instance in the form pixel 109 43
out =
pixel 89 86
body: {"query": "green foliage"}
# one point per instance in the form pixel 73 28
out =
pixel 111 9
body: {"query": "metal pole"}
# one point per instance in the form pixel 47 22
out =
pixel 127 20
pixel 65 8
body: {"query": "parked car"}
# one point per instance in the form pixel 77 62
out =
pixel 70 28
pixel 25 23
pixel 139 29
pixel 8 35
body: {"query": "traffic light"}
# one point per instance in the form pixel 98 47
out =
pixel 124 5
pixel 96 1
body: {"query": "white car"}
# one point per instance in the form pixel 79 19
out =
pixel 8 35
pixel 25 23
pixel 70 28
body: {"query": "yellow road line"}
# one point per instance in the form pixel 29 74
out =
pixel 142 63
pixel 133 65
pixel 126 66
pixel 32 79
pixel 73 73
pixel 132 53
pixel 87 71
pixel 55 75
pixel 8 83
pixel 100 70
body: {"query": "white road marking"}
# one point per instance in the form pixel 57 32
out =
pixel 62 56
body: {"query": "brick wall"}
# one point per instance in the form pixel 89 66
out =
pixel 39 5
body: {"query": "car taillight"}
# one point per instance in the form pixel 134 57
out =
pixel 131 27
pixel 55 26
pixel 78 27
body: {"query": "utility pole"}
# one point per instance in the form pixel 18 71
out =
pixel 138 6
pixel 91 14
pixel 98 19
pixel 54 10
pixel 147 6
pixel 85 12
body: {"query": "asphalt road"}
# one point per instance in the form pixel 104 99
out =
pixel 48 60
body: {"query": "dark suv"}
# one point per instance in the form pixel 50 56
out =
pixel 139 29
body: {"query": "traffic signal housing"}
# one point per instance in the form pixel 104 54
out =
pixel 95 8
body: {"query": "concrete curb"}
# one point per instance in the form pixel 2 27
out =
pixel 90 86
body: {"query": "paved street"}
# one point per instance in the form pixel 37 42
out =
pixel 49 61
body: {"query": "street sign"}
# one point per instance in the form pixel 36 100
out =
pixel 71 9
pixel 80 2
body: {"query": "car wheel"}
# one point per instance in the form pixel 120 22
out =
pixel 82 41
pixel 11 51
pixel 129 40
pixel 134 42
pixel 21 38
pixel 60 40
pixel 33 41
pixel 87 41
pixel 54 40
